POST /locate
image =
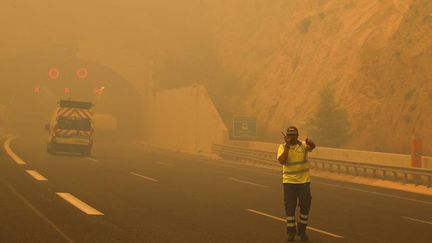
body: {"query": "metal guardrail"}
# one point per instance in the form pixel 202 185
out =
pixel 416 176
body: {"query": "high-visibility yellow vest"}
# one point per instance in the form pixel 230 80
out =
pixel 296 168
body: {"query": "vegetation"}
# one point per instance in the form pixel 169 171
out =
pixel 200 64
pixel 330 126
pixel 305 24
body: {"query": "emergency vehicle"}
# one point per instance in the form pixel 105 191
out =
pixel 71 128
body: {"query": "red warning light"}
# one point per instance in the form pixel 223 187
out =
pixel 53 73
pixel 82 73
pixel 99 90
pixel 67 90
pixel 36 90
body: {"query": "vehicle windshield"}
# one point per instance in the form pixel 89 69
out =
pixel 73 124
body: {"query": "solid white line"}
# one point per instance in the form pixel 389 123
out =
pixel 283 220
pixel 79 204
pixel 37 175
pixel 417 220
pixel 247 182
pixel 7 147
pixel 145 177
pixel 376 193
pixel 91 159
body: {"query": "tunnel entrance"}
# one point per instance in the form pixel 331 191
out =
pixel 32 84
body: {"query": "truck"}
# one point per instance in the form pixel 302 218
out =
pixel 71 129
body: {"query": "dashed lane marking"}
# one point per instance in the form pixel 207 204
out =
pixel 247 182
pixel 84 207
pixel 283 220
pixel 7 147
pixel 36 175
pixel 417 220
pixel 37 212
pixel 144 177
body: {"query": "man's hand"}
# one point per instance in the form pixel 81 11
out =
pixel 286 138
pixel 310 144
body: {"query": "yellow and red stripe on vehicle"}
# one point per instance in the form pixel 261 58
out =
pixel 74 112
pixel 66 132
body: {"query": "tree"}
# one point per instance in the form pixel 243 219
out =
pixel 330 126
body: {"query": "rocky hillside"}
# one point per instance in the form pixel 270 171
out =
pixel 376 54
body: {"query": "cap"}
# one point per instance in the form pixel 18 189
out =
pixel 292 131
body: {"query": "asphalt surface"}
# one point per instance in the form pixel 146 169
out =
pixel 147 195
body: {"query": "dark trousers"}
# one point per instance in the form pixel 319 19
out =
pixel 294 193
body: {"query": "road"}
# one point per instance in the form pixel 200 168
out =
pixel 127 192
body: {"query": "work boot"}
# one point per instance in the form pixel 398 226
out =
pixel 301 231
pixel 291 237
pixel 303 237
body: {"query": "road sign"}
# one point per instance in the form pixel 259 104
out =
pixel 53 73
pixel 82 73
pixel 244 127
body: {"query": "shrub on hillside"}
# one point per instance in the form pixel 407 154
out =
pixel 330 126
pixel 305 24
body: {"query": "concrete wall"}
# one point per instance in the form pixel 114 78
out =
pixel 345 155
pixel 185 119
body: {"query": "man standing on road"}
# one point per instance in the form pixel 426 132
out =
pixel 296 181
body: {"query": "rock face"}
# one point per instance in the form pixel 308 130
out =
pixel 375 54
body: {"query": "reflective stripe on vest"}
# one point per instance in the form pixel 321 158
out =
pixel 296 163
pixel 296 172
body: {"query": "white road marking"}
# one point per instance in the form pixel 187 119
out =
pixel 11 153
pixel 417 220
pixel 163 163
pixel 91 159
pixel 145 177
pixel 79 204
pixel 376 193
pixel 36 211
pixel 36 175
pixel 247 182
pixel 283 220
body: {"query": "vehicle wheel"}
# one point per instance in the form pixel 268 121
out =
pixel 49 148
pixel 87 152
